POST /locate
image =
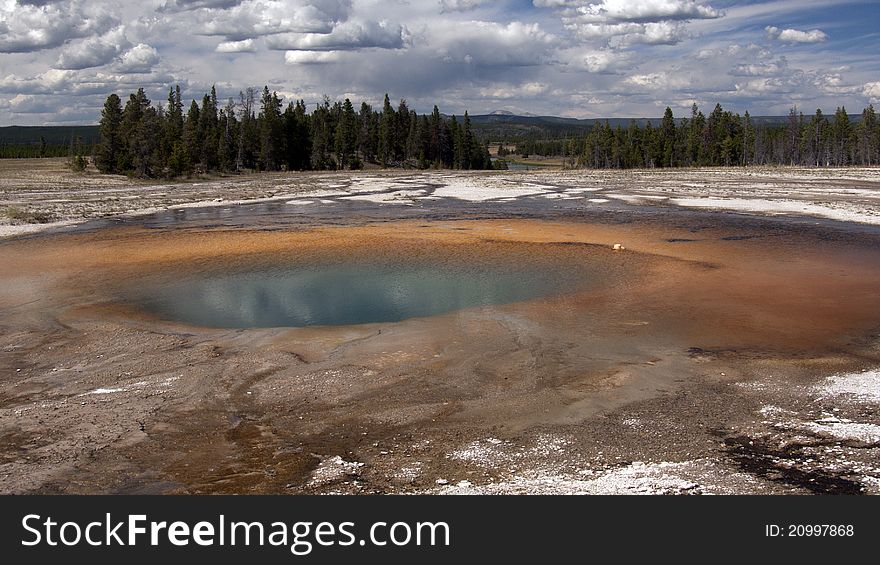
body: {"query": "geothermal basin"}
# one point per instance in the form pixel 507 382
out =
pixel 452 352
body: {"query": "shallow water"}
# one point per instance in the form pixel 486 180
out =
pixel 343 294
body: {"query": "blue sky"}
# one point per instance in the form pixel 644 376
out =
pixel 578 58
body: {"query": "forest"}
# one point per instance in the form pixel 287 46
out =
pixel 256 132
pixel 725 139
pixel 143 140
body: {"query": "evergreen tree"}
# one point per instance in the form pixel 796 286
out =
pixel 346 135
pixel 387 133
pixel 271 131
pixel 867 137
pixel 192 144
pixel 667 139
pixel 111 142
pixel 840 136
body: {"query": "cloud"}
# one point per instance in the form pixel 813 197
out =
pixel 28 27
pixel 795 35
pixel 243 46
pixel 483 43
pixel 139 59
pixel 344 36
pixel 311 57
pixel 251 19
pixel 517 91
pixel 185 5
pixel 30 104
pixel 562 57
pixel 626 23
pixel 447 6
pixel 53 80
pixel 93 52
pixel 638 11
pixel 654 81
pixel 593 61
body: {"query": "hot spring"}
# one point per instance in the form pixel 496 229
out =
pixel 353 292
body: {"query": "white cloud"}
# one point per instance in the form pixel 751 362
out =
pixel 139 59
pixel 44 83
pixel 460 5
pixel 795 35
pixel 490 43
pixel 518 91
pixel 26 27
pixel 568 57
pixel 93 52
pixel 593 61
pixel 311 57
pixel 243 46
pixel 346 35
pixel 184 5
pixel 639 11
pixel 255 18
pixel 646 10
pixel 30 104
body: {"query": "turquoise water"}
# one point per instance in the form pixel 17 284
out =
pixel 346 294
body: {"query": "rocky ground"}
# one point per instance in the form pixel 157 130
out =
pixel 722 353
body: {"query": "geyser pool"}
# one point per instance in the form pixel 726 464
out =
pixel 343 294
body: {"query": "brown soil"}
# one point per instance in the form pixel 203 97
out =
pixel 97 396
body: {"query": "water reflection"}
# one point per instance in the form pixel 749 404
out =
pixel 342 294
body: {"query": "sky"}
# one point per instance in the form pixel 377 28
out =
pixel 59 59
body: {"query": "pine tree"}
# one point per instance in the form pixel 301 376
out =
pixel 111 143
pixel 271 132
pixel 365 146
pixel 387 133
pixel 247 134
pixel 667 139
pixel 346 135
pixel 208 131
pixel 840 132
pixel 867 142
pixel 192 145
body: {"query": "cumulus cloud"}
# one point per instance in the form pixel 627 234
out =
pixel 139 59
pixel 243 46
pixel 460 5
pixel 593 61
pixel 625 23
pixel 633 10
pixel 514 91
pixel 575 57
pixel 34 27
pixel 185 5
pixel 30 104
pixel 491 43
pixel 796 35
pixel 92 52
pixel 311 57
pixel 251 19
pixel 344 36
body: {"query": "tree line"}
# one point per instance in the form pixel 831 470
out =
pixel 257 132
pixel 725 139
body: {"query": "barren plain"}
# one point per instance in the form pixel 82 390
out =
pixel 733 346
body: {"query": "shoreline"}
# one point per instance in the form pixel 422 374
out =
pixel 839 195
